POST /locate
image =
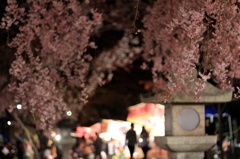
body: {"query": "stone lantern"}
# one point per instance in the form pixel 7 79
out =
pixel 185 136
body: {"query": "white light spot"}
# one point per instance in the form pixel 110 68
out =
pixel 19 106
pixel 9 123
pixel 58 137
pixel 69 113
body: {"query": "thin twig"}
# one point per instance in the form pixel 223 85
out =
pixel 135 17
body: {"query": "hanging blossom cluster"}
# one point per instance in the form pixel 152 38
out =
pixel 222 40
pixel 173 51
pixel 183 36
pixel 202 36
pixel 159 16
pixel 51 54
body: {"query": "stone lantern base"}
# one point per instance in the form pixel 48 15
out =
pixel 186 147
pixel 186 155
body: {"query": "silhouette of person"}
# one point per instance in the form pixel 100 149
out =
pixel 98 146
pixel 131 140
pixel 144 141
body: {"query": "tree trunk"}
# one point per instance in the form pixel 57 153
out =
pixel 28 135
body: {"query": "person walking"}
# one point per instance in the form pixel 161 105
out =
pixel 111 148
pixel 131 140
pixel 144 141
pixel 98 147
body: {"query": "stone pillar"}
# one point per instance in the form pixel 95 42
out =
pixel 185 120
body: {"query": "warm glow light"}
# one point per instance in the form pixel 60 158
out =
pixel 149 115
pixel 19 106
pixel 69 113
pixel 53 134
pixel 50 142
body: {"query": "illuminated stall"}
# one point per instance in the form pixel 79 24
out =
pixel 149 115
pixel 152 117
pixel 115 130
pixel 144 114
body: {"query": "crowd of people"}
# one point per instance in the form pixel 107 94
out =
pixel 84 148
pixel 7 150
pixel 96 148
pixel 93 148
pixel 20 148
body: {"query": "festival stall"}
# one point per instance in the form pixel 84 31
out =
pixel 144 114
pixel 151 116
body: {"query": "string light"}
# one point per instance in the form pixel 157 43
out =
pixel 19 106
pixel 69 113
pixel 9 123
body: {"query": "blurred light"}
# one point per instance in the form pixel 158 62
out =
pixel 73 134
pixel 9 123
pixel 53 134
pixel 19 106
pixel 50 142
pixel 58 137
pixel 69 113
